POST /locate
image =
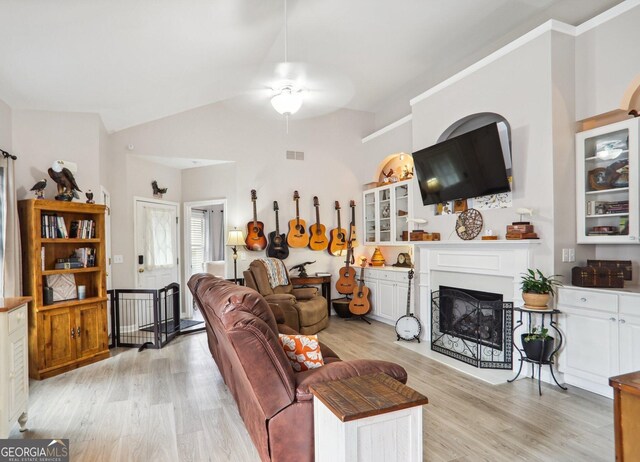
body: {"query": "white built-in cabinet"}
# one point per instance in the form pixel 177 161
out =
pixel 14 365
pixel 388 287
pixel 387 210
pixel 607 184
pixel 602 335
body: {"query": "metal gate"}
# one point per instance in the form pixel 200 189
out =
pixel 145 318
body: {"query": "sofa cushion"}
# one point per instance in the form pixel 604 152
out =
pixel 303 351
pixel 312 311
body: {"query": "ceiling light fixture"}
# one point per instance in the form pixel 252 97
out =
pixel 287 100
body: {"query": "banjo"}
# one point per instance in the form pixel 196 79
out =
pixel 408 326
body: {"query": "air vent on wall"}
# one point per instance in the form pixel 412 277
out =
pixel 295 155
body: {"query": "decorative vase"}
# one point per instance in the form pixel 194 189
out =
pixel 377 259
pixel 536 301
pixel 538 350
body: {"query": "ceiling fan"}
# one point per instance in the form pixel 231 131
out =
pixel 291 86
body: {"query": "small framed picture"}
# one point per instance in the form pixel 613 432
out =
pixel 63 286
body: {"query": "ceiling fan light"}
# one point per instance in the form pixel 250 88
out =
pixel 287 101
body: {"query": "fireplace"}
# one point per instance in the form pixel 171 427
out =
pixel 472 326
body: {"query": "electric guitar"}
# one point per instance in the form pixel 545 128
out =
pixel 277 243
pixel 352 229
pixel 256 239
pixel 347 281
pixel 408 327
pixel 297 236
pixel 360 304
pixel 317 232
pixel 338 237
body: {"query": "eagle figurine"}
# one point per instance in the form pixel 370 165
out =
pixel 157 190
pixel 67 186
pixel 39 188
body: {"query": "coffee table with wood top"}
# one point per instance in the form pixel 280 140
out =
pixel 367 418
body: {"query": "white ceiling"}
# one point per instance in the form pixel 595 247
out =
pixel 181 163
pixel 133 61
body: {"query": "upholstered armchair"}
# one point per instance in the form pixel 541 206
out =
pixel 303 309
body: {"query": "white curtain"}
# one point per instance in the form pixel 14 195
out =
pixel 159 238
pixel 217 235
pixel 11 267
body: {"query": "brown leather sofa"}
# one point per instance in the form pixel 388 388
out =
pixel 304 309
pixel 273 400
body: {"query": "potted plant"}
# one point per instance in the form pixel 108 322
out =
pixel 538 344
pixel 537 288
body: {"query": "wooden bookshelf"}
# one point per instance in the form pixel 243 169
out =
pixel 71 333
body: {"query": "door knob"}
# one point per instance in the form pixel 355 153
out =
pixel 622 321
pixel 140 270
pixel 612 319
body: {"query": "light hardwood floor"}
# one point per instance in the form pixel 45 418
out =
pixel 172 405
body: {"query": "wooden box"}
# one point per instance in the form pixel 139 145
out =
pixel 520 228
pixel 624 265
pixel 591 276
pixel 516 235
pixel 422 236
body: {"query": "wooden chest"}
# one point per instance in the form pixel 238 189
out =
pixel 591 276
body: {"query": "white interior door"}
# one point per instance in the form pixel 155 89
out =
pixel 156 257
pixel 106 200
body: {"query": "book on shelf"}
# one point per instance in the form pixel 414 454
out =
pixel 86 256
pixel 605 208
pixel 53 227
pixel 83 229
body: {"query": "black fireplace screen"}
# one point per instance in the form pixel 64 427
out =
pixel 472 326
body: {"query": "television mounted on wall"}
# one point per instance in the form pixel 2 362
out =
pixel 476 163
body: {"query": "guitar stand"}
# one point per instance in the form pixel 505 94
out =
pixel 358 316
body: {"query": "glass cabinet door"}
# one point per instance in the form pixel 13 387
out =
pixel 369 217
pixel 384 212
pixel 401 209
pixel 607 184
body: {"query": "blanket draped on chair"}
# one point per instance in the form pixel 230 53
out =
pixel 276 271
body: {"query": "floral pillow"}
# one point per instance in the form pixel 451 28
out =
pixel 303 351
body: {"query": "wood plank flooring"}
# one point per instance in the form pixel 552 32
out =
pixel 172 405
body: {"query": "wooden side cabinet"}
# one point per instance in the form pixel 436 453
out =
pixel 69 332
pixel 626 409
pixel 14 366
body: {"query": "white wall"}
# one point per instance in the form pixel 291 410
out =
pixel 607 64
pixel 333 169
pixel 517 86
pixel 40 137
pixel 5 127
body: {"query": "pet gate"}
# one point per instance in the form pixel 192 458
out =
pixel 145 318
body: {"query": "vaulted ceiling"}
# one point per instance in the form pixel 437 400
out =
pixel 133 61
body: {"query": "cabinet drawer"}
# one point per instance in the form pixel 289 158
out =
pixel 587 299
pixel 630 304
pixel 17 318
pixel 402 277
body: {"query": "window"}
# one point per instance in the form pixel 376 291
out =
pixel 198 240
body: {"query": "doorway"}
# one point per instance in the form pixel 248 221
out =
pixel 204 230
pixel 156 243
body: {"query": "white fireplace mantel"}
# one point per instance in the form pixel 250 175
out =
pixel 496 266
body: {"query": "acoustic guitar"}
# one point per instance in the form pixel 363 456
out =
pixel 347 281
pixel 352 227
pixel 256 239
pixel 317 232
pixel 277 243
pixel 338 237
pixel 360 304
pixel 297 235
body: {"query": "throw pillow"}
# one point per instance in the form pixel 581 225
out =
pixel 303 351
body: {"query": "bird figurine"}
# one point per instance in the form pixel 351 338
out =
pixel 89 196
pixel 301 269
pixel 67 186
pixel 39 188
pixel 157 191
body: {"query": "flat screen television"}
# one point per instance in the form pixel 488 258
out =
pixel 476 163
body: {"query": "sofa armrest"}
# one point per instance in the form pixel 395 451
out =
pixel 339 370
pixel 280 298
pixel 305 293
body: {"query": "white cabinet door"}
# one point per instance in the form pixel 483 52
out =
pixel 386 300
pixel 372 284
pixel 401 299
pixel 629 332
pixel 18 374
pixel 591 351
